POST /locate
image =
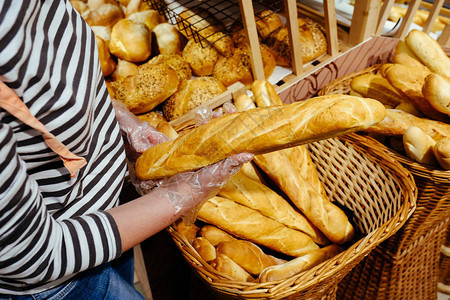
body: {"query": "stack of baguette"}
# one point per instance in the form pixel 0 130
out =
pixel 415 88
pixel 272 219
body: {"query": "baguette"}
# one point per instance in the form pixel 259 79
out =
pixel 299 264
pixel 225 265
pixel 248 224
pixel 258 131
pixel 248 255
pixel 419 146
pixel 204 248
pixel 429 52
pixel 397 121
pixel 189 231
pixel 294 172
pixel 214 235
pixel 442 153
pixel 436 90
pixel 376 87
pixel 257 196
pixel 408 81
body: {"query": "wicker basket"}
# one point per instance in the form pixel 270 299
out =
pixel 407 264
pixel 376 189
pixel 444 266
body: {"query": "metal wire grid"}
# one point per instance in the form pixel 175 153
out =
pixel 225 13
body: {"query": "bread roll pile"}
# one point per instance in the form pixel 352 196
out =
pixel 130 36
pixel 415 89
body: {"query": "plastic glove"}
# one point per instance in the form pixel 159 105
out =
pixel 204 114
pixel 187 191
pixel 138 135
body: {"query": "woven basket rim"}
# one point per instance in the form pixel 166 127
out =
pixel 305 280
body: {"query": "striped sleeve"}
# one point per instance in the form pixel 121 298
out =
pixel 53 226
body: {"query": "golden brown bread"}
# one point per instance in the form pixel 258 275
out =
pixel 249 224
pixel 257 196
pixel 429 52
pixel 313 42
pixel 168 38
pixel 237 67
pixel 401 47
pixel 159 122
pixel 397 121
pixel 201 59
pixel 299 264
pixel 152 84
pixel 376 87
pixel 107 63
pixel 436 90
pixel 204 248
pixel 408 81
pixel 405 59
pixel 419 146
pixel 79 6
pixel 214 235
pixel 409 108
pixel 176 61
pixel 258 131
pixel 192 94
pixel 123 70
pixel 225 265
pixel 208 29
pixel 188 230
pixel 130 41
pixel 442 153
pixel 248 255
pixel 292 169
pixel 267 21
pixel 150 18
pixel 105 15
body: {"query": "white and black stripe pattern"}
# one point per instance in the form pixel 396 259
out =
pixel 51 225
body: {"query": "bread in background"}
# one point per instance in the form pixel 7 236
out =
pixel 313 42
pixel 201 59
pixel 150 18
pixel 152 85
pixel 123 70
pixel 130 41
pixel 204 248
pixel 215 235
pixel 176 61
pixel 191 94
pixel 419 146
pixel 442 153
pixel 167 38
pixel 436 90
pixel 225 265
pixel 107 14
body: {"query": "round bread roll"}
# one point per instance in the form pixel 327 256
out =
pixel 168 38
pixel 130 41
pixel 150 18
pixel 442 153
pixel 158 121
pixel 134 6
pixel 123 70
pixel 191 94
pixel 152 84
pixel 267 22
pixel 177 62
pixel 201 59
pixel 107 63
pixel 313 42
pixel 436 90
pixel 105 15
pixel 237 67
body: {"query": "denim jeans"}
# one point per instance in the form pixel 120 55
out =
pixel 111 281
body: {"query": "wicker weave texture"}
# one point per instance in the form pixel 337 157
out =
pixel 395 274
pixel 376 189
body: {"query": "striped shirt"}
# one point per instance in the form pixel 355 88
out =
pixel 51 225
